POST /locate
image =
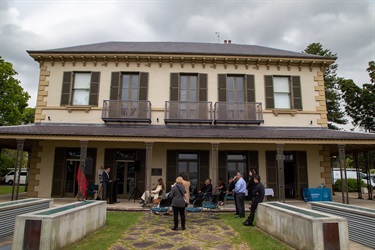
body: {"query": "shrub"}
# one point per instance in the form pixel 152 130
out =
pixel 352 185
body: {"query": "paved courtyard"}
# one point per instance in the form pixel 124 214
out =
pixel 203 233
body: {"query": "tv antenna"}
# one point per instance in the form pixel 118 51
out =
pixel 218 36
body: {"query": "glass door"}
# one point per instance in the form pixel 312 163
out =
pixel 71 184
pixel 125 176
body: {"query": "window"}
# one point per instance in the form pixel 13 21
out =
pixel 188 88
pixel 188 164
pixel 283 92
pixel 281 88
pixel 236 88
pixel 188 94
pixel 80 89
pixel 130 87
pixel 236 163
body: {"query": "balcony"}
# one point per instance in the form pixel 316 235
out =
pixel 238 112
pixel 126 111
pixel 188 112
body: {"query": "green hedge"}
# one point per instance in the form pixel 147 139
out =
pixel 352 185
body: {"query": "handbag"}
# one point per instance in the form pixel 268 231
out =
pixel 186 204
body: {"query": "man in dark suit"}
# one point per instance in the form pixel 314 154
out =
pixel 106 181
pixel 258 196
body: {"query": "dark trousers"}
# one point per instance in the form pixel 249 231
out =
pixel 181 211
pixel 240 200
pixel 253 208
pixel 105 190
pixel 235 203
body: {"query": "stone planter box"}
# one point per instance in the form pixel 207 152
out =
pixel 361 221
pixel 59 227
pixel 303 228
pixel 9 210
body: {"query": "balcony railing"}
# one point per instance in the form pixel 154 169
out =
pixel 188 112
pixel 126 111
pixel 238 112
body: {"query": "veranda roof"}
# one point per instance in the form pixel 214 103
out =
pixel 354 141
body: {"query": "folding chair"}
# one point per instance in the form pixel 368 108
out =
pixel 196 208
pixel 92 190
pixel 210 205
pixel 161 209
pixel 228 197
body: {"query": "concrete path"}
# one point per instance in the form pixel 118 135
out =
pixel 204 233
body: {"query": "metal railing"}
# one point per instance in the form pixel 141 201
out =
pixel 238 112
pixel 188 112
pixel 126 111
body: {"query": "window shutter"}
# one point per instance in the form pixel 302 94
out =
pixel 253 161
pixel 204 166
pixel 94 88
pixel 143 84
pixel 171 168
pixel 202 87
pixel 173 94
pixel 222 81
pixel 58 171
pixel 66 88
pixel 115 86
pixel 268 85
pixel 297 96
pixel 223 166
pixel 250 88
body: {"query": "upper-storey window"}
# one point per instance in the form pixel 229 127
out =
pixel 129 86
pixel 80 89
pixel 283 92
pixel 188 87
pixel 236 88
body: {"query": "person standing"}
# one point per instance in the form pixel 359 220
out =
pixel 258 196
pixel 105 182
pixel 239 190
pixel 186 183
pixel 177 195
pixel 250 184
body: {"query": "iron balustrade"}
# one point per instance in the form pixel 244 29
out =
pixel 238 112
pixel 188 112
pixel 126 111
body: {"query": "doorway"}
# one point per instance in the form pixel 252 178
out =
pixel 125 175
pixel 290 179
pixel 71 184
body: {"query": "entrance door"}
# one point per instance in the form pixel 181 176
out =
pixel 190 168
pixel 290 179
pixel 71 184
pixel 126 178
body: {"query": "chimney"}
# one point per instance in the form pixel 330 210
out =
pixel 229 41
pixel 225 41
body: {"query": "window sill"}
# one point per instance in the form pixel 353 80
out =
pixel 291 112
pixel 78 108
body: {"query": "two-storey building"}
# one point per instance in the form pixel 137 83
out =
pixel 160 109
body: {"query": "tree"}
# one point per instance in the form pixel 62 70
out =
pixel 360 102
pixel 13 99
pixel 335 114
pixel 28 116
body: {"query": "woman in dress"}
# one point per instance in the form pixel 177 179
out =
pixel 154 192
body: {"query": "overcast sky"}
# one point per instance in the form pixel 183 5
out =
pixel 345 27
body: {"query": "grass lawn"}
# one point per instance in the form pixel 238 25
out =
pixel 117 224
pixel 8 189
pixel 253 237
